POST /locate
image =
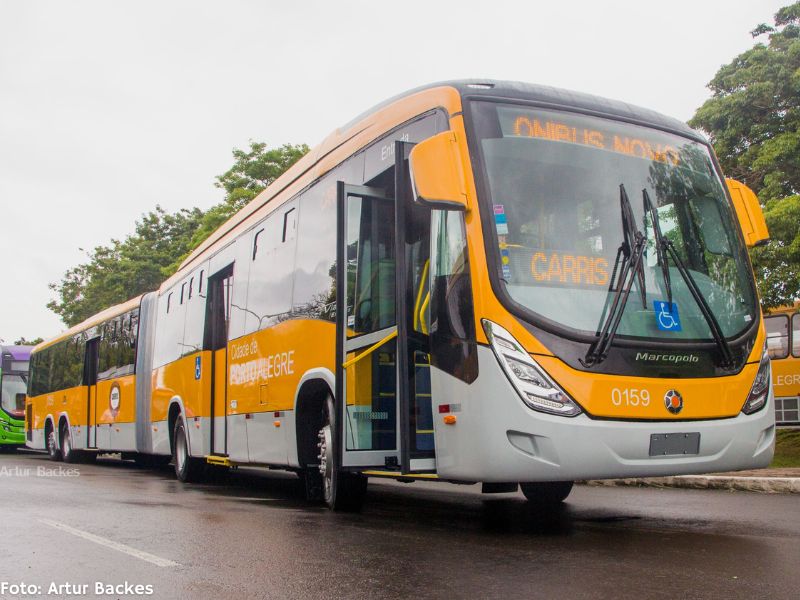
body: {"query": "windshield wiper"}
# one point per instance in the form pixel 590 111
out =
pixel 727 361
pixel 661 249
pixel 630 255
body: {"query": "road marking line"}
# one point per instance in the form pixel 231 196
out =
pixel 146 556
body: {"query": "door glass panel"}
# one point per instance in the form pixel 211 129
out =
pixel 370 255
pixel 777 336
pixel 796 335
pixel 371 410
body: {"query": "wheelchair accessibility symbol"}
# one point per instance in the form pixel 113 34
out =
pixel 667 317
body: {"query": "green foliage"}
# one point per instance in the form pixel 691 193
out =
pixel 753 121
pixel 787 449
pixel 23 342
pixel 139 263
pixel 753 116
pixel 124 269
pixel 251 172
pixel 777 265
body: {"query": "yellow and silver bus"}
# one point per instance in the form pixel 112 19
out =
pixel 783 346
pixel 473 282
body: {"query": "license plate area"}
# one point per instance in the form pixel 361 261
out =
pixel 674 444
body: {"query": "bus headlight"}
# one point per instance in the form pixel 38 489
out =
pixel 536 388
pixel 757 398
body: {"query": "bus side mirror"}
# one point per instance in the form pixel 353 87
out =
pixel 748 210
pixel 437 178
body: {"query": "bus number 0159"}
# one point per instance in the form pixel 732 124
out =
pixel 630 397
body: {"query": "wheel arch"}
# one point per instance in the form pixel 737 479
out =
pixel 315 386
pixel 176 409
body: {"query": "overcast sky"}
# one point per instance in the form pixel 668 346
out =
pixel 109 108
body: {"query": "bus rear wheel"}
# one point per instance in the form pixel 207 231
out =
pixel 53 450
pixel 187 468
pixel 342 491
pixel 68 453
pixel 546 493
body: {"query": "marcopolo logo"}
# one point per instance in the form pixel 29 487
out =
pixel 668 358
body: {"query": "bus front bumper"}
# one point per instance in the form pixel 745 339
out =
pixel 497 438
pixel 11 433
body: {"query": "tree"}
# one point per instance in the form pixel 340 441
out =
pixel 753 116
pixel 124 269
pixel 753 122
pixel 23 342
pixel 251 173
pixel 777 265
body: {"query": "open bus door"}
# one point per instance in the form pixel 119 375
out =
pixel 383 401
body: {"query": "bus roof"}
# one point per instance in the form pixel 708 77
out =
pixel 371 124
pixel 16 352
pixel 108 313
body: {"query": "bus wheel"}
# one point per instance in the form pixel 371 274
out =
pixel 187 468
pixel 68 454
pixel 341 490
pixel 546 493
pixel 52 444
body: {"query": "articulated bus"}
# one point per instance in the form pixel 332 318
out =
pixel 475 281
pixel 13 387
pixel 783 346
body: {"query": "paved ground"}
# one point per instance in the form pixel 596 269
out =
pixel 256 537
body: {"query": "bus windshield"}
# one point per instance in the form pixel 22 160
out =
pixel 13 394
pixel 555 181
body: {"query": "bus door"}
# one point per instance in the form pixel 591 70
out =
pixel 376 390
pixel 218 314
pixel 90 378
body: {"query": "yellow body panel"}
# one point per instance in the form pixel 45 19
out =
pixel 786 376
pixel 703 398
pixel 126 411
pixel 177 379
pixel 72 401
pixel 265 367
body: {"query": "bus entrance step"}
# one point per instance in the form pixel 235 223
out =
pixel 220 461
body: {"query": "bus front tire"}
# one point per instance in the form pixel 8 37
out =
pixel 546 493
pixel 187 468
pixel 53 451
pixel 341 491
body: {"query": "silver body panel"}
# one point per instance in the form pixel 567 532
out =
pixel 498 438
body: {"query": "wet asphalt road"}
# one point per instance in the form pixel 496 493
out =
pixel 255 537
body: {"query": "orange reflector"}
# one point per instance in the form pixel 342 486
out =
pixel 449 419
pixel 276 423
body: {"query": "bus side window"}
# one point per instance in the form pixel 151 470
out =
pixel 796 335
pixel 289 224
pixel 777 336
pixel 255 242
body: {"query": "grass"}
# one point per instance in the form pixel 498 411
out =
pixel 787 449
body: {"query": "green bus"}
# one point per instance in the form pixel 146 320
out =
pixel 13 387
